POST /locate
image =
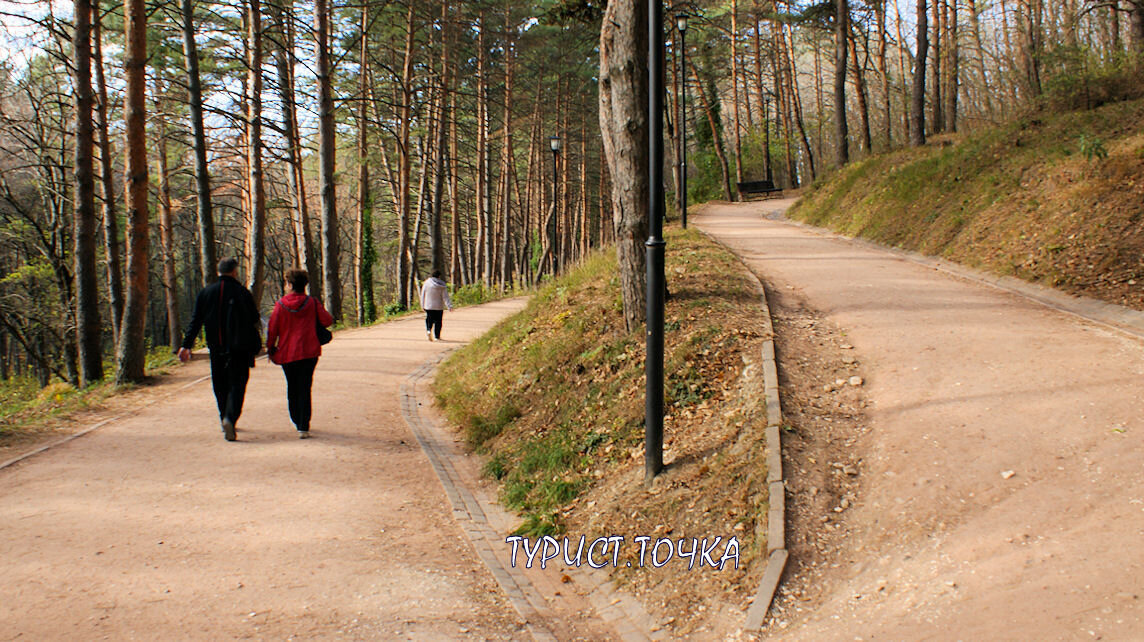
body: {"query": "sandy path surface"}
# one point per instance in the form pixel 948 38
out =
pixel 154 527
pixel 1002 477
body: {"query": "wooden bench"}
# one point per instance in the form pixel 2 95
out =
pixel 754 188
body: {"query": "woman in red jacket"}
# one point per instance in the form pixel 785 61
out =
pixel 292 341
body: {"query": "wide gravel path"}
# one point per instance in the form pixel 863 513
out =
pixel 153 527
pixel 1003 475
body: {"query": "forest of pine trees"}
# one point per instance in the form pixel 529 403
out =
pixel 371 142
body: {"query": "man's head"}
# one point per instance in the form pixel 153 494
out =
pixel 436 274
pixel 297 279
pixel 228 267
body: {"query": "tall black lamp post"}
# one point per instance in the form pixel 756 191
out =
pixel 653 409
pixel 554 143
pixel 681 25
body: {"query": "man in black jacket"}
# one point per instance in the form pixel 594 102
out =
pixel 233 326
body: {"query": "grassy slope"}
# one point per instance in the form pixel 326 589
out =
pixel 554 398
pixel 1021 200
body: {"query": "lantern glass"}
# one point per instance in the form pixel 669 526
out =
pixel 554 142
pixel 681 22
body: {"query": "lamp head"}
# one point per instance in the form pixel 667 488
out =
pixel 554 143
pixel 681 22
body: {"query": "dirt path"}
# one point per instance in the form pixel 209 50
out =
pixel 1001 476
pixel 154 527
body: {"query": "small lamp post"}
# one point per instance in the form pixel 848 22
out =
pixel 681 25
pixel 554 144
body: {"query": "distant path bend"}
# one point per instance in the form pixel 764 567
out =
pixel 1003 473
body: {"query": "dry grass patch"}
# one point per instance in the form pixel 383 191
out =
pixel 554 398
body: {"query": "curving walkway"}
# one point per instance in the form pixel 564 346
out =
pixel 154 527
pixel 1003 474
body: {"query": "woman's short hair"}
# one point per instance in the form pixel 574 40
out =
pixel 297 280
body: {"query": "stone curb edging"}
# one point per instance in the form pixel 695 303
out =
pixel 467 511
pixel 777 555
pixel 619 610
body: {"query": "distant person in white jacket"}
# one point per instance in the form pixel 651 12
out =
pixel 434 300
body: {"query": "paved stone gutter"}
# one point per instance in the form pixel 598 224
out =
pixel 624 614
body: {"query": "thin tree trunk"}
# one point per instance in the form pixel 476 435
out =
pixel 131 354
pixel 88 330
pixel 331 285
pixel 166 231
pixel 436 240
pixel 506 157
pixel 937 121
pixel 735 90
pixel 205 216
pixel 363 224
pixel 883 73
pixel 256 236
pixel 918 104
pixel 305 256
pixel 720 153
pixel 110 215
pixel 860 91
pixel 841 36
pixel 484 232
pixel 951 70
pixel 975 25
pixel 403 248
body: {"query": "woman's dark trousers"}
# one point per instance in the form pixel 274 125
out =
pixel 299 381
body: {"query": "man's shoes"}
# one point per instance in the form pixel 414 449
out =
pixel 429 334
pixel 303 434
pixel 228 429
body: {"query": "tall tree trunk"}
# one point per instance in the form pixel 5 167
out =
pixel 841 36
pixel 256 235
pixel 937 122
pixel 905 95
pixel 404 269
pixel 624 130
pixel 918 102
pixel 459 272
pixel 166 228
pixel 305 256
pixel 110 215
pixel 331 285
pixel 88 331
pixel 795 100
pixel 975 27
pixel 506 154
pixel 205 216
pixel 951 69
pixel 436 239
pixel 363 226
pixel 860 91
pixel 131 354
pixel 884 74
pixel 735 90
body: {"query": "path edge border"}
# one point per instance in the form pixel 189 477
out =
pixel 618 609
pixel 777 555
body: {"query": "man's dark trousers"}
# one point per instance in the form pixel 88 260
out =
pixel 229 374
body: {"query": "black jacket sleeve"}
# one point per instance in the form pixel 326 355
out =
pixel 202 302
